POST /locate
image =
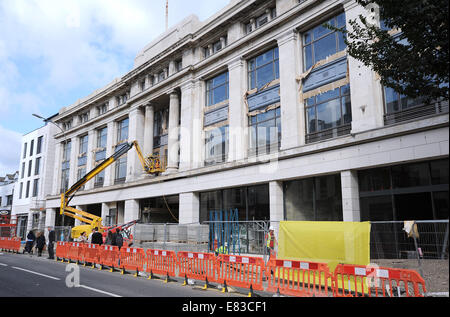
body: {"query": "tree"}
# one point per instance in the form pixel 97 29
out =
pixel 413 62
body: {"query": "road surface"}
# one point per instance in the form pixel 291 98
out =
pixel 32 276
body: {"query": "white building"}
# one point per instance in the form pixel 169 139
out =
pixel 35 178
pixel 6 193
pixel 260 109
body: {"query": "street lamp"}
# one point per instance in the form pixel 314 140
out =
pixel 65 140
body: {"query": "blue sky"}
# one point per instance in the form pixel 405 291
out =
pixel 54 52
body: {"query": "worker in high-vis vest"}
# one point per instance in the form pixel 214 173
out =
pixel 270 242
pixel 222 249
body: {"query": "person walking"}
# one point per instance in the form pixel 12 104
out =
pixel 109 238
pixel 40 242
pixel 30 242
pixel 119 238
pixel 51 241
pixel 97 237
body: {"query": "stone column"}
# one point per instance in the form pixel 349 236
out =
pixel 350 196
pixel 174 127
pixel 105 212
pixel 292 127
pixel 50 217
pixel 189 211
pixel 276 198
pixel 75 146
pixel 190 127
pixel 237 117
pixel 135 133
pixel 111 140
pixel 92 142
pixel 365 87
pixel 131 210
pixel 78 222
pixel 148 130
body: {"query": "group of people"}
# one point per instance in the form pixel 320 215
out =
pixel 39 242
pixel 95 237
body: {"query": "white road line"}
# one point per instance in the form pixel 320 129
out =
pixel 2 264
pixel 99 291
pixel 32 272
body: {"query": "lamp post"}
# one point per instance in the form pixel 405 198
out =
pixel 65 140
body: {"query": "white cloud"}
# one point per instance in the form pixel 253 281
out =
pixel 54 52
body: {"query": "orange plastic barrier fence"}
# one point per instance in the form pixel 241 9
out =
pixel 109 256
pixel 91 254
pixel 360 281
pixel 132 259
pixel 161 262
pixel 61 250
pixel 197 266
pixel 10 244
pixel 240 271
pixel 298 278
pixel 75 252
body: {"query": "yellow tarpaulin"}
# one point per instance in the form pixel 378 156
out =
pixel 325 242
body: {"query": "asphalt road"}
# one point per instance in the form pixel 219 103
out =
pixel 32 276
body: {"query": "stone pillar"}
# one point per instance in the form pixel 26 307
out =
pixel 189 211
pixel 365 88
pixel 276 204
pixel 111 140
pixel 78 222
pixel 131 210
pixel 174 127
pixel 135 133
pixel 148 130
pixel 50 217
pixel 190 128
pixel 74 150
pixel 292 129
pixel 92 142
pixel 238 120
pixel 105 212
pixel 350 196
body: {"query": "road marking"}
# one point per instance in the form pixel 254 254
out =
pixel 32 272
pixel 99 291
pixel 2 264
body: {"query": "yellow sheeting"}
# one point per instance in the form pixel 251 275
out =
pixel 326 242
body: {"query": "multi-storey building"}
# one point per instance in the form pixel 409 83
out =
pixel 6 193
pixel 258 108
pixel 34 178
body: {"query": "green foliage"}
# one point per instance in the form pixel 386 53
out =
pixel 415 61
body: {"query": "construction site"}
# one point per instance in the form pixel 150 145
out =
pixel 251 151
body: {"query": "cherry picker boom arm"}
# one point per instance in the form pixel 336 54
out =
pixel 66 197
pixel 151 165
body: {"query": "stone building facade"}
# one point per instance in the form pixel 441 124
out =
pixel 258 108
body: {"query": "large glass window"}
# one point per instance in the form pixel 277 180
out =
pixel 37 166
pixel 102 137
pixel 35 187
pixel 314 199
pixel 216 145
pixel 217 89
pixel 252 202
pixel 416 191
pixel 83 144
pixel 121 170
pixel 265 132
pixel 328 114
pixel 321 42
pixel 263 69
pixel 39 145
pixel 122 131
